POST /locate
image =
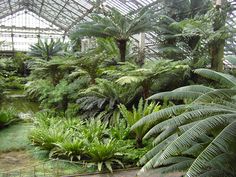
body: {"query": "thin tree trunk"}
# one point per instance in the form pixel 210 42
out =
pixel 146 89
pixel 122 48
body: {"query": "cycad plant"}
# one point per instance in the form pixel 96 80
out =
pixel 198 138
pixel 46 50
pixel 143 109
pixel 104 98
pixel 118 26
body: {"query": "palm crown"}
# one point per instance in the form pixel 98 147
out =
pixel 118 26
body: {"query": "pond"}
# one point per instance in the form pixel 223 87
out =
pixel 17 99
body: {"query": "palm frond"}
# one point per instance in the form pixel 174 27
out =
pixel 222 78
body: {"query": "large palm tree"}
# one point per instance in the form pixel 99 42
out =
pixel 117 26
pixel 198 138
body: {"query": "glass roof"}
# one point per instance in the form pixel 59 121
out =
pixel 63 15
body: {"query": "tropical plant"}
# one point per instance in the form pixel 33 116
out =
pixel 198 137
pixel 151 72
pixel 48 133
pixel 46 50
pixel 38 89
pixel 88 65
pixel 55 69
pixel 120 130
pixel 120 27
pixel 105 153
pixel 7 116
pixel 72 148
pixel 143 109
pixel 106 96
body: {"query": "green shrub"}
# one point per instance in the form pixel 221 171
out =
pixel 105 153
pixel 91 141
pixel 143 109
pixel 7 116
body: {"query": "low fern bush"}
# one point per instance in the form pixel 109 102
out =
pixel 136 114
pixel 90 141
pixel 7 117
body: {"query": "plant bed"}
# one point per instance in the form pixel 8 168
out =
pixel 90 142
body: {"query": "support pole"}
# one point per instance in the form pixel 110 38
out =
pixel 141 55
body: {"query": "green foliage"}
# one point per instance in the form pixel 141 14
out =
pixel 196 137
pixel 55 69
pixel 46 50
pixel 48 132
pixel 105 153
pixel 151 73
pixel 7 116
pixel 106 96
pixel 136 114
pixel 88 65
pixel 90 141
pixel 114 24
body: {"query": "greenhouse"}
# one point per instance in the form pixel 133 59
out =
pixel 118 88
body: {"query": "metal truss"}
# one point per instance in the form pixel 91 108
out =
pixel 65 14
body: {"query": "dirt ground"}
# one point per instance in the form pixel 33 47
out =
pixel 130 173
pixel 15 160
pixel 20 160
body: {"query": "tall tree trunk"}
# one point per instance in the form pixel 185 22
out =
pixel 122 48
pixel 217 55
pixel 217 46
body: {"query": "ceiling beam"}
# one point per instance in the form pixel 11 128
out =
pixel 41 8
pixel 13 12
pixel 9 3
pixel 49 20
pixel 78 19
pixel 60 11
pixel 54 10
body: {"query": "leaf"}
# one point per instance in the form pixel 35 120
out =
pixel 100 166
pixel 108 165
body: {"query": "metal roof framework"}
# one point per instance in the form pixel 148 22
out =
pixel 65 14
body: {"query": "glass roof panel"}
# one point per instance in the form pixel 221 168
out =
pixel 63 15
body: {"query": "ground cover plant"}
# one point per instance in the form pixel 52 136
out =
pixel 90 141
pixel 7 117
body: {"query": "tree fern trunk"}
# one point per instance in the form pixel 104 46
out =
pixel 217 55
pixel 122 48
pixel 217 45
pixel 139 143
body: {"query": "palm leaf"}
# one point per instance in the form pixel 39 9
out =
pixel 222 78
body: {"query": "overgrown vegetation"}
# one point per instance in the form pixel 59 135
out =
pixel 197 137
pixel 90 141
pixel 110 106
pixel 7 117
